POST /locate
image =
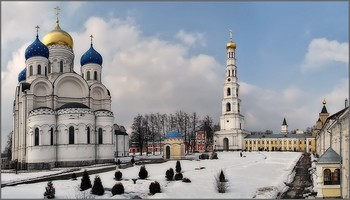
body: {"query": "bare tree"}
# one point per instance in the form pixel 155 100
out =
pixel 139 131
pixel 8 147
pixel 194 121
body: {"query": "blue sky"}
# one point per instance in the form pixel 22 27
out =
pixel 290 55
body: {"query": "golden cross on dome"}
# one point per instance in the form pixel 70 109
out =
pixel 57 10
pixel 230 35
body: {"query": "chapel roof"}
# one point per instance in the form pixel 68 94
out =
pixel 329 157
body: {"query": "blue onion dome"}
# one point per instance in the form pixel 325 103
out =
pixel 173 134
pixel 22 75
pixel 91 56
pixel 37 48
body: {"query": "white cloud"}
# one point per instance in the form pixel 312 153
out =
pixel 322 52
pixel 191 38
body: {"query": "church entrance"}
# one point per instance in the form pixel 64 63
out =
pixel 225 144
pixel 167 152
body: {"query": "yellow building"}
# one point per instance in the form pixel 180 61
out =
pixel 174 146
pixel 280 142
pixel 285 141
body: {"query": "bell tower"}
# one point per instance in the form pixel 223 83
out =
pixel 231 134
pixel 231 117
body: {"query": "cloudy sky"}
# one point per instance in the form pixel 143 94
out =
pixel 169 56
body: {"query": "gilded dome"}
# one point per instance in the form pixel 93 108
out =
pixel 231 45
pixel 58 36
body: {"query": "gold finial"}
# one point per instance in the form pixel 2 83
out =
pixel 324 102
pixel 230 35
pixel 57 12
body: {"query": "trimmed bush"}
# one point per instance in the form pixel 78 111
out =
pixel 97 188
pixel 49 191
pixel 178 167
pixel 214 155
pixel 118 188
pixel 143 173
pixel 178 176
pixel 169 174
pixel 203 156
pixel 222 177
pixel 154 187
pixel 118 175
pixel 221 182
pixel 186 180
pixel 74 176
pixel 85 181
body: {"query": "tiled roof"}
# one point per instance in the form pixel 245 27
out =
pixel 329 157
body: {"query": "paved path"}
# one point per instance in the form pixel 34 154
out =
pixel 301 181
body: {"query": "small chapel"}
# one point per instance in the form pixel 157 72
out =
pixel 61 117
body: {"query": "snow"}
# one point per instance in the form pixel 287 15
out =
pixel 258 175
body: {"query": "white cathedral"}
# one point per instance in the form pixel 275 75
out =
pixel 231 134
pixel 62 118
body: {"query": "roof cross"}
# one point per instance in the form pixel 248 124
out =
pixel 37 29
pixel 230 35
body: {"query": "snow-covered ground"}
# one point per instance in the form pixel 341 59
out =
pixel 258 175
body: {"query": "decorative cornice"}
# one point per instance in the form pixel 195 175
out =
pixel 74 111
pixel 103 113
pixel 42 111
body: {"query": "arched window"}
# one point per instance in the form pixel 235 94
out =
pixel 229 73
pixel 228 107
pixel 45 72
pixel 327 179
pixel 30 70
pixel 88 134
pixel 71 135
pixel 237 92
pixel 238 107
pixel 39 69
pixel 61 66
pixel 88 75
pixel 336 177
pixel 82 75
pixel 228 91
pixel 51 136
pixel 95 75
pixel 36 137
pixel 100 136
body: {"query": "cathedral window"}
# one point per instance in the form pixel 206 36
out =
pixel 228 107
pixel 327 179
pixel 36 137
pixel 39 69
pixel 95 75
pixel 71 135
pixel 49 68
pixel 88 75
pixel 45 72
pixel 88 134
pixel 30 70
pixel 234 73
pixel 228 72
pixel 100 136
pixel 228 91
pixel 51 136
pixel 61 66
pixel 237 91
pixel 82 75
